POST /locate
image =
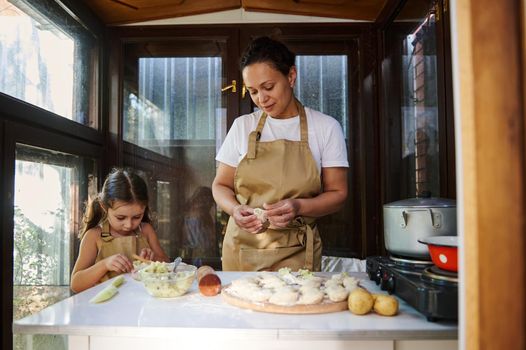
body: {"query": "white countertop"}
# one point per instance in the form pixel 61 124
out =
pixel 133 312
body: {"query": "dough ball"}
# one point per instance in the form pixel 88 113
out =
pixel 385 305
pixel 360 301
pixel 261 214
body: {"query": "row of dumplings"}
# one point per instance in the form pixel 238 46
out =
pixel 288 289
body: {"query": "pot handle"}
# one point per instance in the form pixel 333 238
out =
pixel 435 217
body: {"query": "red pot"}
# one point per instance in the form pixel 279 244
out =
pixel 443 251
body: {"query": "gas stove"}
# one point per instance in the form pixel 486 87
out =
pixel 430 290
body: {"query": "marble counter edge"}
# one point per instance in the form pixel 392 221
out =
pixel 240 333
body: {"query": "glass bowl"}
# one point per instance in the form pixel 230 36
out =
pixel 142 270
pixel 170 284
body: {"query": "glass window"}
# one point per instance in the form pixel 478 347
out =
pixel 49 190
pixel 322 85
pixel 174 120
pixel 177 99
pixel 163 215
pixel 48 60
pixel 419 109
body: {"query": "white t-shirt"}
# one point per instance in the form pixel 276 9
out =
pixel 326 140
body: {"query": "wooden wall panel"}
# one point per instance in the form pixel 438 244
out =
pixel 492 160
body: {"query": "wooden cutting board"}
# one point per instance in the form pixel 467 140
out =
pixel 324 307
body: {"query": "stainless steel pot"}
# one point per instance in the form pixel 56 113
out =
pixel 408 220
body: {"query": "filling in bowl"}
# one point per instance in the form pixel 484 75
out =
pixel 171 284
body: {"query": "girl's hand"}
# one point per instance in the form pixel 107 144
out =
pixel 118 263
pixel 147 253
pixel 246 219
pixel 281 213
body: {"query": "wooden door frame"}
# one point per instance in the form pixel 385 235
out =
pixel 489 92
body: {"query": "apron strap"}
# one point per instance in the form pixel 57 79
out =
pixel 304 131
pixel 254 137
pixel 105 234
pixel 309 249
pixel 256 134
pixel 308 231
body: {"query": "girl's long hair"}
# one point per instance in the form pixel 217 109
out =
pixel 120 185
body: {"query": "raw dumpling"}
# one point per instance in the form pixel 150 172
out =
pixel 268 280
pixel 260 295
pixel 333 282
pixel 310 296
pixel 337 293
pixel 350 283
pixel 284 296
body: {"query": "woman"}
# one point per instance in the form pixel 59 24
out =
pixel 289 160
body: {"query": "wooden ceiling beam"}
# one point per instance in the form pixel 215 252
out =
pixel 360 10
pixel 114 12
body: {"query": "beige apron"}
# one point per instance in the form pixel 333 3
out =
pixel 272 171
pixel 127 246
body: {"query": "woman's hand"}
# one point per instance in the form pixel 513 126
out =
pixel 281 213
pixel 246 219
pixel 118 263
pixel 147 253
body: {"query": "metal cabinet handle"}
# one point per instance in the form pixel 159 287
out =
pixel 231 86
pixel 243 91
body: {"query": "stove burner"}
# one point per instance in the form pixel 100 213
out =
pixel 436 298
pixel 407 261
pixel 436 275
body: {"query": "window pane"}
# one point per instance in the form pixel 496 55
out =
pixel 322 85
pixel 178 98
pixel 163 215
pixel 419 110
pixel 49 189
pixel 174 120
pixel 47 62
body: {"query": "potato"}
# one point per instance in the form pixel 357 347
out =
pixel 360 301
pixel 385 305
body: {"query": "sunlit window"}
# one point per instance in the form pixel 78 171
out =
pixel 48 191
pixel 322 85
pixel 174 107
pixel 44 64
pixel 176 98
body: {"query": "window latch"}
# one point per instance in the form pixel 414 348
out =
pixel 231 86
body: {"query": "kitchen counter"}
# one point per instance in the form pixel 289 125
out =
pixel 135 320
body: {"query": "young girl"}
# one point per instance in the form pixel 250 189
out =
pixel 116 225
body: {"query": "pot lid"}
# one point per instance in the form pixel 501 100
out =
pixel 423 203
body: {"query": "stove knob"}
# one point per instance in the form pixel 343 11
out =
pixel 383 280
pixel 378 276
pixel 390 284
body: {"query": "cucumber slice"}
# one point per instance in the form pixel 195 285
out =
pixel 118 281
pixel 105 294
